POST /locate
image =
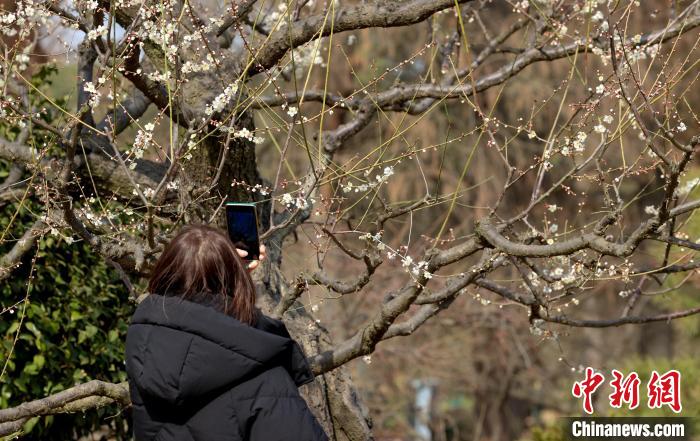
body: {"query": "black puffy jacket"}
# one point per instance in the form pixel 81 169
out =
pixel 196 374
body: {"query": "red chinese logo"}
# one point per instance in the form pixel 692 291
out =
pixel 587 387
pixel 662 390
pixel 626 390
pixel 665 390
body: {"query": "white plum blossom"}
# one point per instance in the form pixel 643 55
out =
pixel 579 142
pixel 598 16
pixel 687 187
pixel 522 6
pixel 379 179
pixel 94 93
pixel 372 237
pixel 243 133
pixel 536 327
pixel 287 199
pixel 418 267
pixel 96 33
pixel 222 99
pixel 142 141
pixel 90 5
pixel 299 201
pixel 650 209
pixel 602 54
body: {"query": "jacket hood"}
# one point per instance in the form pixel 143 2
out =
pixel 178 351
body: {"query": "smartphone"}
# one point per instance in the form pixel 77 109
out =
pixel 242 222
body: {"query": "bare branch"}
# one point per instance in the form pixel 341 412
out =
pixel 76 399
pixel 25 243
pixel 365 15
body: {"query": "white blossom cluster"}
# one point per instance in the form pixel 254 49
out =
pixel 98 32
pixel 205 65
pixel 27 15
pixel 563 273
pixel 95 94
pixel 650 209
pixel 566 272
pixel 87 5
pixel 257 188
pixel 143 140
pixel 244 133
pixel 18 24
pixel 298 201
pixel 622 270
pixel 379 179
pixel 274 17
pixel 537 327
pixel 589 6
pixel 578 143
pixel 222 99
pixel 407 262
pixel 306 55
pixel 157 28
pixel 686 188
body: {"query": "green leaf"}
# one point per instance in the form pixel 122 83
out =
pixel 91 330
pixel 33 329
pixel 13 328
pixel 29 425
pixel 39 360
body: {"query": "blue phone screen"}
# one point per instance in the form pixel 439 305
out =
pixel 243 229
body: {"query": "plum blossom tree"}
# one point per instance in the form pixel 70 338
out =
pixel 180 106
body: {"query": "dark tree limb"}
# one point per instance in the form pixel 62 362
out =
pixel 125 113
pixel 365 15
pixel 76 399
pixel 25 243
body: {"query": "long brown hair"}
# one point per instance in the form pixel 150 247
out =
pixel 201 264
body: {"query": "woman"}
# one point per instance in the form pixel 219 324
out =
pixel 204 364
